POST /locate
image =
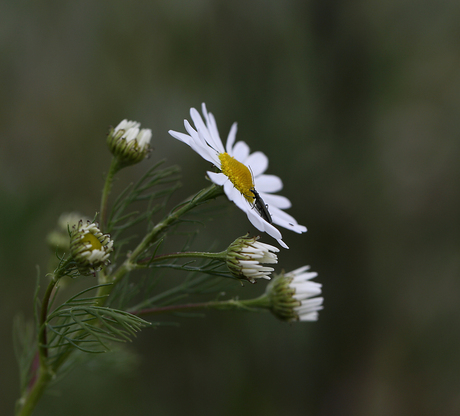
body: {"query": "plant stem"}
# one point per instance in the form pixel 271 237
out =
pixel 114 168
pixel 30 399
pixel 248 304
pixel 28 403
pixel 42 338
pixel 184 254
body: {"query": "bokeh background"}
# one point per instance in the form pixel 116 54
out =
pixel 357 106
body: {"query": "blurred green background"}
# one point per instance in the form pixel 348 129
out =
pixel 357 106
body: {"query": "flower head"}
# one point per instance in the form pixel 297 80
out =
pixel 241 174
pixel 245 255
pixel 89 247
pixel 292 296
pixel 129 144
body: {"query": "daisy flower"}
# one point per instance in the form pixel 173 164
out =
pixel 241 174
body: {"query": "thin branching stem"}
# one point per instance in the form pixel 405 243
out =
pixel 259 303
pixel 114 168
pixel 30 399
pixel 182 254
pixel 42 338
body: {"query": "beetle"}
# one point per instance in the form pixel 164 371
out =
pixel 261 206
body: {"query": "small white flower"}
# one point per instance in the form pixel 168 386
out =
pixel 241 174
pixel 304 292
pixel 292 296
pixel 89 247
pixel 132 132
pixel 129 143
pixel 246 255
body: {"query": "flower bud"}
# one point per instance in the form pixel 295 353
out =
pixel 89 247
pixel 244 258
pixel 291 296
pixel 129 144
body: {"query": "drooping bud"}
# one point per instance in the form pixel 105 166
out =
pixel 246 255
pixel 292 294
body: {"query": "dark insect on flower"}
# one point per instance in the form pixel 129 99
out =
pixel 261 207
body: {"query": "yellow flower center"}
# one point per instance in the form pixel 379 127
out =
pixel 93 240
pixel 239 175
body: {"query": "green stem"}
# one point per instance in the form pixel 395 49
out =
pixel 31 397
pixel 114 168
pixel 42 337
pixel 185 254
pixel 248 304
pixel 27 404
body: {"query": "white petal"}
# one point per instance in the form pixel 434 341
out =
pixel 262 225
pixel 276 200
pixel 205 152
pixel 229 190
pixel 312 316
pixel 240 200
pixel 210 136
pixel 273 231
pixel 190 130
pixel 144 137
pixel 240 151
pixel 180 136
pixel 299 229
pixel 131 134
pixel 258 163
pixel 282 243
pixel 307 292
pixel 295 273
pixel 231 138
pixel 285 220
pixel 303 278
pixel 211 122
pixel 199 124
pixel 217 178
pixel 255 220
pixel 268 183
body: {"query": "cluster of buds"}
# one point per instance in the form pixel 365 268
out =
pixel 291 296
pixel 244 258
pixel 128 143
pixel 89 247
